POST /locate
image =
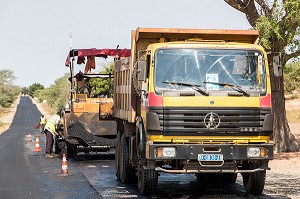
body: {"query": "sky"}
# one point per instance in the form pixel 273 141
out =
pixel 35 34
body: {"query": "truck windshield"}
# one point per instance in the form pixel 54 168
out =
pixel 241 68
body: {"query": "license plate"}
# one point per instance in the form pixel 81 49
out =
pixel 210 157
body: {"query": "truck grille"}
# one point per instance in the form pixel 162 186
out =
pixel 201 120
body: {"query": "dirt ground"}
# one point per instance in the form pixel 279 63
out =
pixel 294 105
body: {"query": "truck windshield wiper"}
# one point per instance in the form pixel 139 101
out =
pixel 195 87
pixel 234 87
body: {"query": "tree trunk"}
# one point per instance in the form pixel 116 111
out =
pixel 284 140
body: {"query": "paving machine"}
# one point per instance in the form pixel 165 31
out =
pixel 89 126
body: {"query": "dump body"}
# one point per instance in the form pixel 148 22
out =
pixel 193 101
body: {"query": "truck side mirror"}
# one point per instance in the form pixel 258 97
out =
pixel 277 68
pixel 142 68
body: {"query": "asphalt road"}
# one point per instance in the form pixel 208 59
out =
pixel 25 174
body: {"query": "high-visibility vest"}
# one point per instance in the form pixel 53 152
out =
pixel 51 124
pixel 43 120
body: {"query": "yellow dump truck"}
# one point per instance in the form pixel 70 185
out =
pixel 89 126
pixel 193 101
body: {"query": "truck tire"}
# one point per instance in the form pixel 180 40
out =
pixel 140 140
pixel 254 182
pixel 117 156
pixel 127 172
pixel 147 181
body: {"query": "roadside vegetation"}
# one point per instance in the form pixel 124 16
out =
pixel 8 91
pixel 55 97
pixel 292 80
pixel 292 89
pixel 104 85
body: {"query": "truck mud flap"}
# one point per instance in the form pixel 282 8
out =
pixel 80 132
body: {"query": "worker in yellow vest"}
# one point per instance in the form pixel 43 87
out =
pixel 43 122
pixel 51 130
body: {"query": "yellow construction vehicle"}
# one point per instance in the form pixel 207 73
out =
pixel 89 126
pixel 193 101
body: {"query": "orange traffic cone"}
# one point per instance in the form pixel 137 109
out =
pixel 37 147
pixel 29 139
pixel 64 166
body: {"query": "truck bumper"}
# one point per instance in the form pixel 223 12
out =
pixel 235 158
pixel 191 151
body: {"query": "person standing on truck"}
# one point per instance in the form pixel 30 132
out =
pixel 42 123
pixel 50 130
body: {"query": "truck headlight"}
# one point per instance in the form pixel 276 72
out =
pixel 165 152
pixel 256 152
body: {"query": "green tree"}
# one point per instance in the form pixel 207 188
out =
pixel 7 77
pixel 8 91
pixel 34 87
pixel 278 23
pixel 103 85
pixel 25 90
pixel 292 77
pixel 58 94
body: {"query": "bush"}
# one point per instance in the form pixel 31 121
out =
pixel 291 77
pixel 57 95
pixel 8 91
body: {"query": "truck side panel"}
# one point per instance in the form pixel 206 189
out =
pixel 124 98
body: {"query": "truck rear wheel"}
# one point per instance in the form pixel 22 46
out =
pixel 127 172
pixel 147 181
pixel 254 182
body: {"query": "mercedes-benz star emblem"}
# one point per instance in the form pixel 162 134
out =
pixel 212 120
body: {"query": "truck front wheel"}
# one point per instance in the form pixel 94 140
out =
pixel 254 182
pixel 147 181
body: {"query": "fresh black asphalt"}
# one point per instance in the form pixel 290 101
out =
pixel 27 174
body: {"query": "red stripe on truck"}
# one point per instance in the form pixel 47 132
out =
pixel 154 100
pixel 266 101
